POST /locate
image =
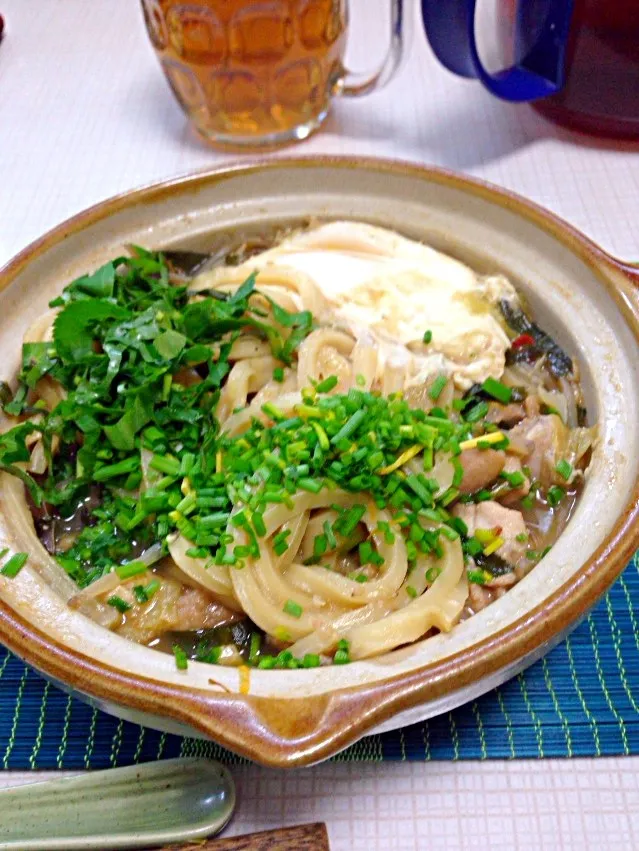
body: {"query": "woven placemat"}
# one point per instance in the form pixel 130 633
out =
pixel 582 699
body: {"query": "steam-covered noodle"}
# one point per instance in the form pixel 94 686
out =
pixel 327 451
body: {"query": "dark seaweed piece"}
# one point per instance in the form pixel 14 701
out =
pixel 187 264
pixel 493 564
pixel 241 633
pixel 220 296
pixel 476 392
pixel 206 649
pixel 523 354
pixel 558 361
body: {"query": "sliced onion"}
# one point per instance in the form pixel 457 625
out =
pixel 580 441
pixel 38 461
pixel 443 472
pixel 151 555
pixel 554 399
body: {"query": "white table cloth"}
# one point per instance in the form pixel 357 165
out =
pixel 85 113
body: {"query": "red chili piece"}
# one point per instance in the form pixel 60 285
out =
pixel 522 340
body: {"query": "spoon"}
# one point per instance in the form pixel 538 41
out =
pixel 154 803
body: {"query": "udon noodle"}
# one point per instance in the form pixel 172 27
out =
pixel 333 448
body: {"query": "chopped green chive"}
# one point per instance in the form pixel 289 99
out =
pixel 365 552
pixel 415 485
pixel 132 568
pixel 428 336
pixel 479 577
pixel 258 524
pixel 515 479
pixel 292 608
pixel 349 426
pixel 279 542
pixel 476 413
pixel 118 603
pixel 197 552
pixel 165 464
pixel 254 648
pixel 564 468
pixel 498 390
pixel 341 657
pixel 14 565
pixel 129 465
pixel 278 374
pixel 140 594
pixel 321 436
pixel 152 588
pixel 320 545
pixel 449 496
pixel 437 387
pixel 181 659
pixel 218 518
pixel 555 495
pixel 310 485
pixel 273 412
pixel 327 384
pixel 458 472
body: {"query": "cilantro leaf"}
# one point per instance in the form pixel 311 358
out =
pixel 170 343
pixel 242 293
pixel 73 326
pixel 138 412
pixel 13 445
pixel 98 285
pixel 38 359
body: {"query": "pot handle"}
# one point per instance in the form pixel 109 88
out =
pixel 450 29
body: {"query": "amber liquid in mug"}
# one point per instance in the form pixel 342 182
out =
pixel 249 69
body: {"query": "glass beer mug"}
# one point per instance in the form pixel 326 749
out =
pixel 260 72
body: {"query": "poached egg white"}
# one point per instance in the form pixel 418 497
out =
pixel 378 284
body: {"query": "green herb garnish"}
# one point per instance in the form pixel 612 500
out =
pixel 181 659
pixel 14 565
pixel 564 468
pixel 498 390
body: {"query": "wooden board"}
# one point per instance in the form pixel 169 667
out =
pixel 303 837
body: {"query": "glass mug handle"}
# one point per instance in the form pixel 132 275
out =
pixel 355 83
pixel 450 29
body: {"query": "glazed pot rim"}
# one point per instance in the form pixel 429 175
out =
pixel 252 725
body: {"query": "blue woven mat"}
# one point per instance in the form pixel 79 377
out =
pixel 581 700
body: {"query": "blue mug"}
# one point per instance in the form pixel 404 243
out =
pixel 577 59
pixel 450 29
